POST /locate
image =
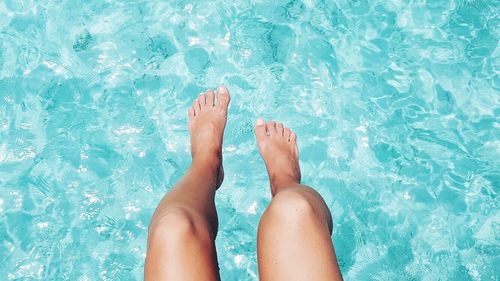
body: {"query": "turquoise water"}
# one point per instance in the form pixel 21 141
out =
pixel 396 105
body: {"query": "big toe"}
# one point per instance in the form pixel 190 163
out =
pixel 260 129
pixel 223 97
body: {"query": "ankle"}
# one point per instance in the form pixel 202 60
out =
pixel 209 166
pixel 283 182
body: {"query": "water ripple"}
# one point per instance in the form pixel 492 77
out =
pixel 395 104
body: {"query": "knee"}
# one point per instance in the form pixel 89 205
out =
pixel 291 206
pixel 177 225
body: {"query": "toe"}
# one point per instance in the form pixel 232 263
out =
pixel 210 96
pixel 196 106
pixel 293 142
pixel 223 97
pixel 286 133
pixel 260 129
pixel 202 99
pixel 279 129
pixel 271 128
pixel 191 113
pixel 293 138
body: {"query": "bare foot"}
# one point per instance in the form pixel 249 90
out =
pixel 278 147
pixel 207 120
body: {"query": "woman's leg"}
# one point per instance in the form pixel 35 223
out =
pixel 293 240
pixel 183 228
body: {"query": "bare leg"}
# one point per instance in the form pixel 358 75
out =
pixel 293 240
pixel 184 225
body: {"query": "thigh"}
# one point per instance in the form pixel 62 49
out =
pixel 294 241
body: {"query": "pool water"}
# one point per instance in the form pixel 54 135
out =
pixel 396 105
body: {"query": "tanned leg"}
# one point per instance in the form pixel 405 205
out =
pixel 294 236
pixel 183 228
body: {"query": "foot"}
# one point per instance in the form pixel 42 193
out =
pixel 207 120
pixel 278 147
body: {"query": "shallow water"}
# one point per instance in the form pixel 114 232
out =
pixel 395 103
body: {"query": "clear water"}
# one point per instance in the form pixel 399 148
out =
pixel 396 105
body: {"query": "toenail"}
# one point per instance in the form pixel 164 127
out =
pixel 221 88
